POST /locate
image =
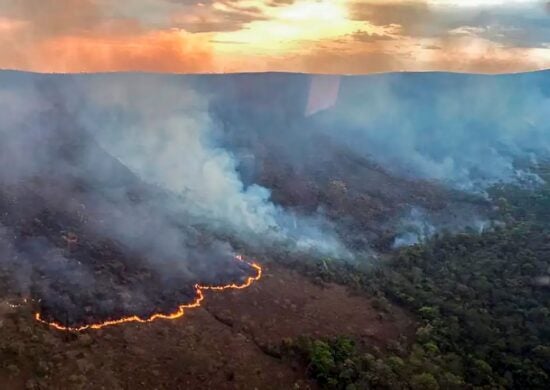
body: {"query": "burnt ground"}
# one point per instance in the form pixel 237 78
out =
pixel 58 254
pixel 226 344
pixel 87 239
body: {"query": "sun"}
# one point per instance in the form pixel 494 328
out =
pixel 317 11
pixel 290 26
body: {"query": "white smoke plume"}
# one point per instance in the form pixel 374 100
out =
pixel 464 130
pixel 160 128
pixel 415 228
pixel 121 176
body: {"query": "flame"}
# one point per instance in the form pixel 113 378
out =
pixel 199 297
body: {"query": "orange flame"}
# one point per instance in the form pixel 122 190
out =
pixel 172 316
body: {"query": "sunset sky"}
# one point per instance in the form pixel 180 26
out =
pixel 319 36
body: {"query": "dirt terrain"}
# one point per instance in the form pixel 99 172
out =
pixel 226 344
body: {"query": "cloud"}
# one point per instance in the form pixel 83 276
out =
pixel 337 62
pixel 222 16
pixel 279 3
pixel 510 24
pixel 365 36
pixel 50 17
pixel 79 35
pixel 415 18
pixel 243 35
pixel 454 53
pixel 481 56
pixel 97 35
pixel 156 51
pixel 192 16
pixel 510 36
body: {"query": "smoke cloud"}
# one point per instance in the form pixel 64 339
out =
pixel 160 131
pixel 463 130
pixel 118 184
pixel 116 196
pixel 163 132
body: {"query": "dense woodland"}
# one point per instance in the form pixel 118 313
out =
pixel 482 302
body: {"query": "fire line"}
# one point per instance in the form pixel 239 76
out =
pixel 171 316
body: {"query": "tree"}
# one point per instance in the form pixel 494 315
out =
pixel 424 381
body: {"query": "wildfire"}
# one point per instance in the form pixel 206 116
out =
pixel 172 316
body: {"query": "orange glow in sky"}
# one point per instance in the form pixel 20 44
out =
pixel 319 36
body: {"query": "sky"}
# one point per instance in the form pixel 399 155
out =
pixel 313 36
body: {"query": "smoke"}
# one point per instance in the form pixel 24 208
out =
pixel 160 130
pixel 418 225
pixel 415 228
pixel 116 199
pixel 463 130
pixel 144 170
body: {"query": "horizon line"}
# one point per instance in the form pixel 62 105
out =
pixel 144 72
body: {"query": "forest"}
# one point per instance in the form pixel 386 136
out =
pixel 482 302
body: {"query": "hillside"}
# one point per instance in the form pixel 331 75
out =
pixel 398 222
